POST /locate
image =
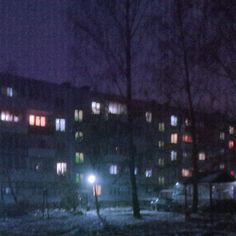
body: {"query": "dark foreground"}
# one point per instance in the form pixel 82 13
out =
pixel 119 221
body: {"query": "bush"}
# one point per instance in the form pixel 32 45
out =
pixel 15 210
pixel 222 206
pixel 69 198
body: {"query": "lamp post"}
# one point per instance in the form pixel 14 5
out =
pixel 92 181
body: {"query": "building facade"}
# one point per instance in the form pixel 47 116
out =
pixel 52 134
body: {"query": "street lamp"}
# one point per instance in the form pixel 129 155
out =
pixel 91 179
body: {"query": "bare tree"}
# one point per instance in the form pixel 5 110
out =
pixel 111 35
pixel 181 79
pixel 219 50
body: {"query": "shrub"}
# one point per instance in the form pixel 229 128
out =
pixel 222 206
pixel 14 210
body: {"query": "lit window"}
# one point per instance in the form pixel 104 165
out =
pixel 231 130
pixel 79 136
pixel 76 135
pixel 187 122
pixel 78 178
pixel 9 92
pixel 161 144
pixel 161 162
pixel 43 121
pixel 148 173
pixel 185 154
pixel 9 117
pixel 78 115
pixel 113 170
pixel 202 156
pixel 3 116
pixel 79 157
pixel 161 126
pixel 186 173
pixel 117 108
pixel 135 170
pixel 173 155
pixel 148 116
pixel 161 180
pixel 31 119
pixel 231 144
pixel 60 124
pixel 222 135
pixel 61 168
pixel 222 166
pixel 173 120
pixel 16 118
pixel 37 120
pixel 98 189
pixel 96 108
pixel 174 138
pixel 187 138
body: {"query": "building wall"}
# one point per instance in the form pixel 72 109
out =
pixel 85 132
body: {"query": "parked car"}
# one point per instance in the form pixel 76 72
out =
pixel 161 204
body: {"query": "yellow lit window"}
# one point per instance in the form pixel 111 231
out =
pixel 78 115
pixel 161 127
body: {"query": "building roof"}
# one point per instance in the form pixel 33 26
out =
pixel 213 177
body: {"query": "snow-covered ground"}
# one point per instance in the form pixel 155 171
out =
pixel 119 221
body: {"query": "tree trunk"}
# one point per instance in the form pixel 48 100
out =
pixel 135 202
pixel 191 110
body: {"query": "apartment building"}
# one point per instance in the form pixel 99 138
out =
pixel 51 133
pixel 35 147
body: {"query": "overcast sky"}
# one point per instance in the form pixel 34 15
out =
pixel 34 39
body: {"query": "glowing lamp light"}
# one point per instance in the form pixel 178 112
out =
pixel 91 179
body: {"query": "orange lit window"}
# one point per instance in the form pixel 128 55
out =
pixel 187 138
pixel 43 121
pixel 98 189
pixel 37 120
pixel 231 144
pixel 174 138
pixel 186 173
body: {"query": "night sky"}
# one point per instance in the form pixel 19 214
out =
pixel 35 40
